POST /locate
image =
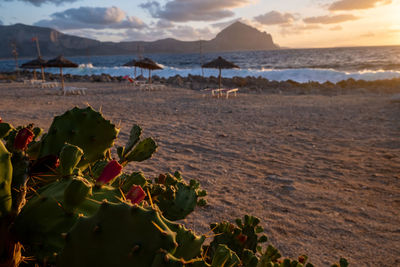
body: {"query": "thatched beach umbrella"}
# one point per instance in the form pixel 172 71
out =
pixel 61 62
pixel 220 64
pixel 149 64
pixel 38 63
pixel 131 64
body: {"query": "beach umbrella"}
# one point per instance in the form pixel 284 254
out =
pixel 61 62
pixel 35 64
pixel 220 64
pixel 131 64
pixel 149 64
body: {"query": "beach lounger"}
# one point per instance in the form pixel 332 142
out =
pixel 49 84
pixel 33 82
pixel 230 91
pixel 220 92
pixel 217 92
pixel 71 90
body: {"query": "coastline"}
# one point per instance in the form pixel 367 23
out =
pixel 321 168
pixel 246 84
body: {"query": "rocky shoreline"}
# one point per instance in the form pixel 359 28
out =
pixel 247 84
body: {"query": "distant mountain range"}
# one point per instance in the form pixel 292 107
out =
pixel 236 37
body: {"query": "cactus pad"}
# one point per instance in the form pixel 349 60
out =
pixel 6 171
pixel 179 198
pixel 117 235
pixel 84 128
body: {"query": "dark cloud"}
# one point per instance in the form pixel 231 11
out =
pixel 164 24
pixel 274 18
pixel 193 10
pixel 91 18
pixel 357 4
pixel 41 2
pixel 330 19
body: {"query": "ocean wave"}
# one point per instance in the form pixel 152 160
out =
pixel 298 75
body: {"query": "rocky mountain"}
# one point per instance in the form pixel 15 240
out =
pixel 236 37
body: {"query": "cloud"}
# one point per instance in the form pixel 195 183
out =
pixel 224 24
pixel 336 28
pixel 367 35
pixel 41 2
pixel 289 29
pixel 189 33
pixel 164 24
pixel 275 18
pixel 91 18
pixel 357 4
pixel 330 19
pixel 193 10
pixel 1 22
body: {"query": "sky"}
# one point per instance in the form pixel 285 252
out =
pixel 292 23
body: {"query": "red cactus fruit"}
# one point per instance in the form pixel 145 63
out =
pixel 23 138
pixel 110 171
pixel 242 238
pixel 136 194
pixel 302 259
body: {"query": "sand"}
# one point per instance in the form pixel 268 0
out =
pixel 321 172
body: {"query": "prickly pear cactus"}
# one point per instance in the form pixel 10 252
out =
pixel 243 236
pixel 20 165
pixel 5 181
pixel 269 257
pixel 272 258
pixel 342 263
pixel 142 151
pixel 54 210
pixel 85 128
pixel 70 156
pixel 178 198
pixel 117 235
pixel 223 256
pixel 189 244
pixel 5 129
pixel 165 259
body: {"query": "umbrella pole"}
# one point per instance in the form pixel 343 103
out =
pixel 149 75
pixel 220 78
pixel 62 79
pixel 42 73
pixel 135 73
pixel 34 74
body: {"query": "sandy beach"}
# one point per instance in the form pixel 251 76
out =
pixel 322 172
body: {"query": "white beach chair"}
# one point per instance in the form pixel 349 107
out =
pixel 49 84
pixel 230 91
pixel 71 90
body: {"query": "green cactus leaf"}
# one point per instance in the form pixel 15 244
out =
pixel 5 129
pixel 85 128
pixel 134 137
pixel 6 172
pixel 70 156
pixel 144 150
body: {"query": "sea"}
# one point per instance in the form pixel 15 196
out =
pixel 301 65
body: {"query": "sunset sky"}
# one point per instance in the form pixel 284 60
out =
pixel 292 23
